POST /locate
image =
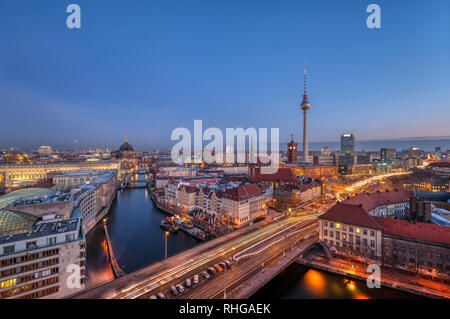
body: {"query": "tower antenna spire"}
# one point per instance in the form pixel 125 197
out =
pixel 304 78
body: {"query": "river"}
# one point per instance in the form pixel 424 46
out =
pixel 138 240
pixel 300 282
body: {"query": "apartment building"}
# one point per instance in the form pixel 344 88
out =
pixel 40 263
pixel 350 230
pixel 241 203
pixel 92 201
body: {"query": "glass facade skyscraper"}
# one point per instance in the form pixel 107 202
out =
pixel 347 144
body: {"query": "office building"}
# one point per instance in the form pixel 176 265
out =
pixel 347 144
pixel 39 263
pixel 387 154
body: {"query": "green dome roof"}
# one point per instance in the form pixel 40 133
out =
pixel 125 146
pixel 12 221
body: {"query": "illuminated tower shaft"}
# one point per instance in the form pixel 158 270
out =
pixel 305 107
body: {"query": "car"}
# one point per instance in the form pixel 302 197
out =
pixel 161 295
pixel 180 288
pixel 223 265
pixel 188 283
pixel 174 290
pixel 152 297
pixel 212 270
pixel 196 279
pixel 217 267
pixel 205 274
pixel 228 262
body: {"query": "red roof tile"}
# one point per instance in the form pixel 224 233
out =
pixel 242 192
pixel 418 231
pixel 352 215
pixel 372 200
pixel 282 175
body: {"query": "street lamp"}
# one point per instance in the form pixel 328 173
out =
pixel 225 285
pixel 165 245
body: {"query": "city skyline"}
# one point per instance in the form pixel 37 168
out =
pixel 146 69
pixel 242 151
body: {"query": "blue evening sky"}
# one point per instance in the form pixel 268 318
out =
pixel 142 68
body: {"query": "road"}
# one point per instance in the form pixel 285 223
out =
pixel 241 271
pixel 160 276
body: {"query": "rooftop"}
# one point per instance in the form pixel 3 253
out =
pixel 84 173
pixel 282 175
pixel 355 212
pixel 242 192
pixel 44 229
pixel 61 164
pixel 10 221
pixel 370 201
pixel 418 231
pixel 59 196
pixel 352 215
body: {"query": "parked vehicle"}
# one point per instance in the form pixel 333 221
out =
pixel 212 270
pixel 174 290
pixel 205 274
pixel 188 283
pixel 228 262
pixel 161 295
pixel 196 279
pixel 223 265
pixel 180 288
pixel 217 267
pixel 152 297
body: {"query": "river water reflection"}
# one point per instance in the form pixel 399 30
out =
pixel 137 238
pixel 299 282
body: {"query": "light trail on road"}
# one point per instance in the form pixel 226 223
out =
pixel 168 275
pixel 243 270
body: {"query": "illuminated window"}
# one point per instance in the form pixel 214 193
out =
pixel 8 283
pixel 338 226
pixel 358 230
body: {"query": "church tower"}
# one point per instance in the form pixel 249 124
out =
pixel 292 151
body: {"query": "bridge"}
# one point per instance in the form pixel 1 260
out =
pixel 264 248
pixel 118 272
pixel 138 178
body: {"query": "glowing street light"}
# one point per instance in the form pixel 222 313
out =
pixel 165 240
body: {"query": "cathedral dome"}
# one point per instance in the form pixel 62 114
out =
pixel 126 147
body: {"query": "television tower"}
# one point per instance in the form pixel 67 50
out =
pixel 305 107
